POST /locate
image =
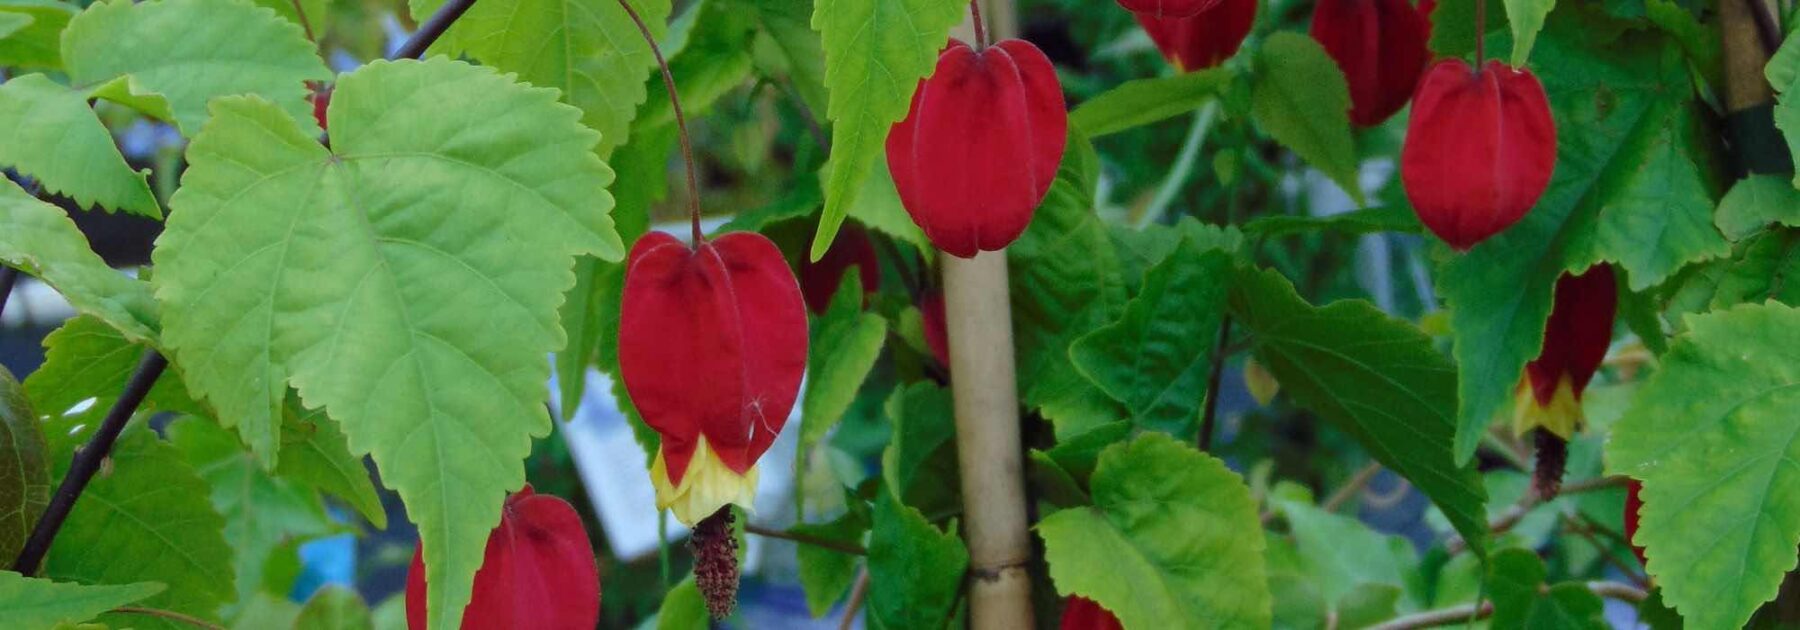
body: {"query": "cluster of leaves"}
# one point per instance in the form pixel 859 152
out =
pixel 394 293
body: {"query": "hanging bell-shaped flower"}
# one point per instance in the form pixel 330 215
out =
pixel 1575 342
pixel 1168 8
pixel 1204 40
pixel 1479 149
pixel 1380 46
pixel 538 571
pixel 1081 613
pixel 852 248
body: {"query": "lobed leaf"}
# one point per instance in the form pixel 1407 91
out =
pixel 39 239
pixel 28 603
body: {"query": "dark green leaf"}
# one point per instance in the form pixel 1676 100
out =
pixel 844 345
pixel 915 570
pixel 31 603
pixel 1755 202
pixel 1516 580
pixel 24 477
pixel 1143 101
pixel 1300 97
pixel 826 574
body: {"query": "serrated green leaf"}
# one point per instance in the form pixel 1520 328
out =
pixel 588 49
pixel 48 131
pixel 1378 379
pixel 876 52
pixel 1754 203
pixel 313 452
pixel 915 570
pixel 261 512
pixel 24 476
pixel 1155 359
pixel 788 25
pixel 1300 97
pixel 1526 18
pixel 1147 493
pixel 1140 249
pixel 406 281
pixel 34 43
pixel 1711 435
pixel 1339 554
pixel 844 346
pixel 317 13
pixel 715 60
pixel 28 603
pixel 1626 189
pixel 86 359
pixel 191 51
pixel 919 463
pixel 1143 101
pixel 1783 73
pixel 1516 579
pixel 148 520
pixel 41 240
pixel 334 608
pixel 825 574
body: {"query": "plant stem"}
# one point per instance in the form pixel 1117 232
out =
pixel 170 615
pixel 1471 612
pixel 432 29
pixel 1184 165
pixel 8 277
pixel 305 24
pixel 1204 441
pixel 687 143
pixel 1351 487
pixel 87 461
pixel 807 539
pixel 1480 33
pixel 981 40
pixel 858 594
pixel 1517 512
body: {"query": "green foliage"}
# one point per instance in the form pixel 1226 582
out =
pixel 1344 561
pixel 1527 18
pixel 324 268
pixel 25 479
pixel 86 359
pixel 33 38
pixel 715 60
pixel 1156 358
pixel 1378 379
pixel 1783 73
pixel 1453 26
pixel 683 609
pixel 1364 221
pixel 48 132
pixel 826 574
pixel 1627 189
pixel 153 510
pixel 1144 101
pixel 915 571
pixel 1710 435
pixel 334 608
pixel 589 50
pixel 1300 97
pixel 1516 579
pixel 844 345
pixel 28 603
pixel 313 452
pixel 1172 540
pixel 919 463
pixel 40 239
pixel 1756 202
pixel 876 51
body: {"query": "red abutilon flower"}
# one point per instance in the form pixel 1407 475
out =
pixel 1633 503
pixel 712 345
pixel 937 329
pixel 852 248
pixel 1167 8
pixel 319 94
pixel 1479 149
pixel 1380 46
pixel 1204 40
pixel 980 146
pixel 538 571
pixel 1081 613
pixel 1575 341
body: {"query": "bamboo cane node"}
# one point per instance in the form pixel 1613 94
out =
pixel 997 572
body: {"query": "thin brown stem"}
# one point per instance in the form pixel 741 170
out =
pixel 1587 533
pixel 858 594
pixel 1211 416
pixel 687 143
pixel 168 614
pixel 807 539
pixel 1471 612
pixel 1351 487
pixel 305 24
pixel 1517 512
pixel 432 29
pixel 981 40
pixel 1480 33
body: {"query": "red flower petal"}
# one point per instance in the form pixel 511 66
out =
pixel 1081 613
pixel 1633 503
pixel 1380 46
pixel 712 342
pixel 852 248
pixel 1204 40
pixel 538 572
pixel 1479 149
pixel 980 146
pixel 1168 8
pixel 1577 333
pixel 937 331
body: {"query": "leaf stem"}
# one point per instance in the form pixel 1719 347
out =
pixel 687 143
pixel 1207 421
pixel 170 615
pixel 305 24
pixel 806 539
pixel 980 30
pixel 87 461
pixel 1480 33
pixel 432 29
pixel 8 277
pixel 858 594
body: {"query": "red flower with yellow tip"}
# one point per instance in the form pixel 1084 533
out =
pixel 1575 341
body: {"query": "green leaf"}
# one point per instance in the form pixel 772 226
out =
pixel 313 452
pixel 1339 554
pixel 1754 203
pixel 788 24
pixel 1356 222
pixel 825 574
pixel 1377 378
pixel 715 60
pixel 191 51
pixel 876 51
pixel 588 49
pixel 406 281
pixel 1156 358
pixel 334 608
pixel 919 463
pixel 1122 552
pixel 1453 26
pixel 1300 97
pixel 878 207
pixel 41 240
pixel 1516 579
pixel 148 520
pixel 1783 73
pixel 844 345
pixel 35 42
pixel 261 512
pixel 915 571
pixel 24 477
pixel 1626 189
pixel 1527 18
pixel 1711 434
pixel 86 359
pixel 28 603
pixel 683 609
pixel 48 131
pixel 1143 101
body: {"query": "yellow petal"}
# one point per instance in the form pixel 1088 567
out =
pixel 708 485
pixel 1562 416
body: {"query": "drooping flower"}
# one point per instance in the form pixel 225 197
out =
pixel 1381 47
pixel 1167 8
pixel 1634 503
pixel 1081 613
pixel 538 571
pixel 1548 405
pixel 1480 147
pixel 937 327
pixel 852 248
pixel 1204 40
pixel 979 148
pixel 712 345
